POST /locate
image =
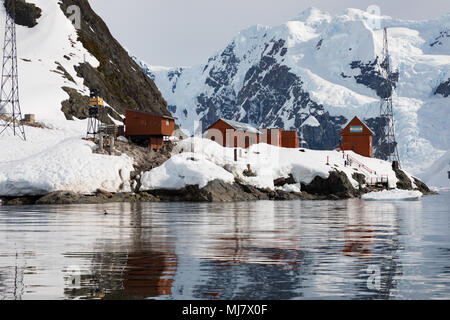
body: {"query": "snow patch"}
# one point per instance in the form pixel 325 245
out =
pixel 393 195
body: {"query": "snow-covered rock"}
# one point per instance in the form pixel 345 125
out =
pixel 182 170
pixel 197 161
pixel 326 67
pixel 393 195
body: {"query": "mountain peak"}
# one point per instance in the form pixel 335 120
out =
pixel 312 16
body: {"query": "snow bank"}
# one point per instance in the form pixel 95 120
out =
pixel 59 160
pixel 393 195
pixel 184 169
pixel 197 161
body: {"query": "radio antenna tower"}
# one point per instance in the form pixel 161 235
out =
pixel 387 144
pixel 10 113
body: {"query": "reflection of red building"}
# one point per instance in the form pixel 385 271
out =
pixel 358 137
pixel 358 241
pixel 150 274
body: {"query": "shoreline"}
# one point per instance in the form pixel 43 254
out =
pixel 215 191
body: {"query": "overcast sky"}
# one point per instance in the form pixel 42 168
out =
pixel 188 32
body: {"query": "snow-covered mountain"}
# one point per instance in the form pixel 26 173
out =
pixel 326 67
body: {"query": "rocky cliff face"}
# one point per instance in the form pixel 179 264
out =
pixel 120 80
pixel 444 89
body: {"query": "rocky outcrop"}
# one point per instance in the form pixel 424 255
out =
pixel 120 79
pixel 271 95
pixel 422 187
pixel 371 77
pixel 405 183
pixel 26 14
pixel 444 89
pixel 337 185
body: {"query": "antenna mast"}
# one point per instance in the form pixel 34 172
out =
pixel 10 113
pixel 387 144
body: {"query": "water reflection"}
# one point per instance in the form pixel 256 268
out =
pixel 256 250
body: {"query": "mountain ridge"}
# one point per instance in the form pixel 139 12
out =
pixel 325 66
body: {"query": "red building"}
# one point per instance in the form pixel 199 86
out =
pixel 271 136
pixel 290 139
pixel 236 134
pixel 358 137
pixel 147 128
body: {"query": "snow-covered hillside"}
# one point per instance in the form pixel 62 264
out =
pixel 55 157
pixel 41 50
pixel 325 66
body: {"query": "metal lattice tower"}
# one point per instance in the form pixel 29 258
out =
pixel 10 112
pixel 387 144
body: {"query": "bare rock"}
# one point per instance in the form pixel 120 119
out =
pixel 337 185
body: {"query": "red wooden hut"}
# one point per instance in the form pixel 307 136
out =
pixel 235 134
pixel 290 139
pixel 147 128
pixel 358 137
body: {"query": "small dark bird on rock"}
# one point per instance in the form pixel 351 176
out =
pixel 106 212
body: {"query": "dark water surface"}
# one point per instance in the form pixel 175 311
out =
pixel 255 250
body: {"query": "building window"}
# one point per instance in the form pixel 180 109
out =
pixel 167 123
pixel 247 142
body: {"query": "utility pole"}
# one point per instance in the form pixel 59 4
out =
pixel 387 144
pixel 10 112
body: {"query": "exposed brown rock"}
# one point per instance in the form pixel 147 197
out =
pixel 121 81
pixel 26 14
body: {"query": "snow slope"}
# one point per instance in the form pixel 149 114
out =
pixel 54 158
pixel 39 50
pixel 57 159
pixel 197 161
pixel 327 67
pixel 437 174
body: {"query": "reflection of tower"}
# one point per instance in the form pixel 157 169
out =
pixel 10 113
pixel 96 113
pixel 387 144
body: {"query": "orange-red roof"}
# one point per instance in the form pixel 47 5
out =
pixel 357 127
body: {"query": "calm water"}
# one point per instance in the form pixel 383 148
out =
pixel 258 250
